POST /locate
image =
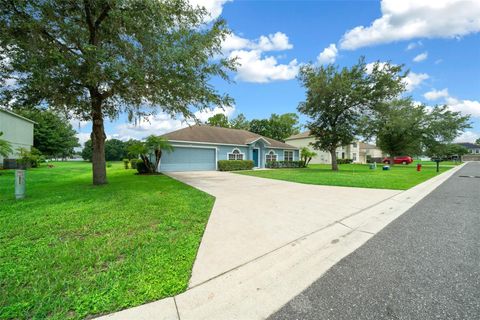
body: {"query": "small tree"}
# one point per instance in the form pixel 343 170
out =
pixel 152 146
pixel 306 155
pixel 477 141
pixel 5 147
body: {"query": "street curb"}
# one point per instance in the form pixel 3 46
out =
pixel 262 286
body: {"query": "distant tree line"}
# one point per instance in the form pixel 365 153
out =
pixel 115 150
pixel 278 127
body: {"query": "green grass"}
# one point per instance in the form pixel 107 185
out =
pixel 72 250
pixel 400 177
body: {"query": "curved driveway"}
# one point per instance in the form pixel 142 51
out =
pixel 254 216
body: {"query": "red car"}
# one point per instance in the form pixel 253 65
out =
pixel 399 160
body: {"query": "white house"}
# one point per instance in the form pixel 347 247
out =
pixel 17 130
pixel 357 151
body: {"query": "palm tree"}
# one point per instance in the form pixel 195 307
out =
pixel 153 145
pixel 156 144
pixel 5 147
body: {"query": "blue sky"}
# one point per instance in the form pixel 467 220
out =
pixel 438 41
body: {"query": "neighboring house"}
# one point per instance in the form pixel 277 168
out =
pixel 473 149
pixel 304 139
pixel 199 147
pixel 17 130
pixel 357 151
pixel 368 150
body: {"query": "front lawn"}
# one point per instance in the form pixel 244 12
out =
pixel 72 250
pixel 399 177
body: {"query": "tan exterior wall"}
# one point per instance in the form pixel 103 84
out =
pixel 17 131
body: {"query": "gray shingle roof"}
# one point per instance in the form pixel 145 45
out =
pixel 469 145
pixel 209 134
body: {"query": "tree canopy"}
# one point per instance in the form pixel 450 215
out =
pixel 406 128
pixel 219 120
pixel 95 59
pixel 240 122
pixel 53 135
pixel 278 127
pixel 337 100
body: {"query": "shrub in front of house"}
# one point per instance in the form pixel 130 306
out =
pixel 133 163
pixel 233 165
pixel 284 164
pixel 141 167
pixel 344 161
pixel 126 162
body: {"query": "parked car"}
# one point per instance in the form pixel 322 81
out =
pixel 399 160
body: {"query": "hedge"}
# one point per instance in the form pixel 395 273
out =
pixel 232 165
pixel 344 161
pixel 284 164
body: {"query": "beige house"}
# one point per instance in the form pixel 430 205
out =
pixel 17 130
pixel 357 151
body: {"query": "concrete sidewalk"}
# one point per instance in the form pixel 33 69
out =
pixel 258 287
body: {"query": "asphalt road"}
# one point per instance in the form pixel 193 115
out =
pixel 424 265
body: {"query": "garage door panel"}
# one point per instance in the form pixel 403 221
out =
pixel 188 159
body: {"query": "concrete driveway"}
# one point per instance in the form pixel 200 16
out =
pixel 255 216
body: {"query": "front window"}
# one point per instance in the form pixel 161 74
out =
pixel 354 156
pixel 271 156
pixel 235 155
pixel 288 155
pixel 354 145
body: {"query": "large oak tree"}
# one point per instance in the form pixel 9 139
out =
pixel 97 59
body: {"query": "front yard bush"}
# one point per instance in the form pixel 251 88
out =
pixel 233 165
pixel 126 162
pixel 344 161
pixel 284 164
pixel 133 163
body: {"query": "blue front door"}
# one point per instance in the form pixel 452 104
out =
pixel 255 157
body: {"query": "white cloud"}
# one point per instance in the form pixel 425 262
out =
pixel 438 61
pixel 253 67
pixel 409 19
pixel 436 94
pixel 468 136
pixel 328 55
pixel 273 42
pixel 162 123
pixel 82 138
pixel 213 7
pixel 471 107
pixel 413 45
pixel 421 57
pixel 413 80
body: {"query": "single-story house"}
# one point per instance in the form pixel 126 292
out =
pixel 357 151
pixel 473 149
pixel 17 130
pixel 199 147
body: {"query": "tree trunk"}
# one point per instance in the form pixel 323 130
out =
pixel 98 140
pixel 333 153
